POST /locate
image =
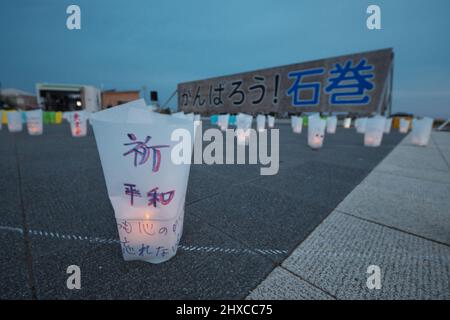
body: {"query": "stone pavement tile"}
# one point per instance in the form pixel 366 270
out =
pixel 441 139
pixel 336 256
pixel 260 218
pixel 10 206
pixel 416 157
pixel 191 274
pixel 422 174
pixel 412 205
pixel 13 266
pixel 283 285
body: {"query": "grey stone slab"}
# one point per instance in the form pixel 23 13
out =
pixel 441 139
pixel 191 274
pixel 283 285
pixel 336 256
pixel 422 174
pixel 13 266
pixel 409 204
pixel 416 157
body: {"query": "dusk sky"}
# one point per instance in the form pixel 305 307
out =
pixel 128 44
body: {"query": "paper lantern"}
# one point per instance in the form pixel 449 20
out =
pixel 232 120
pixel 347 123
pixel 197 118
pixel 404 125
pixel 421 131
pixel 58 117
pixel 14 121
pixel 296 124
pixel 78 123
pixel 360 125
pixel 146 186
pixel 34 122
pixel 222 122
pixel 374 131
pixel 316 131
pixel 243 124
pixel 260 123
pixel 270 122
pixel 331 124
pixel 214 119
pixel 388 125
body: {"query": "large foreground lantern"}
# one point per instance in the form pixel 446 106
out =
pixel 421 131
pixel 361 124
pixel 331 124
pixel 260 122
pixel 316 131
pixel 78 123
pixel 14 121
pixel 374 131
pixel 404 125
pixel 347 123
pixel 270 122
pixel 243 126
pixel 222 122
pixel 34 122
pixel 388 125
pixel 146 185
pixel 296 124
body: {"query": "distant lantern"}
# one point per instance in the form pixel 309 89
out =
pixel 347 123
pixel 270 122
pixel 296 124
pixel 388 125
pixel 34 122
pixel 404 125
pixel 360 125
pixel 222 122
pixel 421 131
pixel 78 123
pixel 14 121
pixel 260 122
pixel 316 131
pixel 331 124
pixel 243 127
pixel 146 184
pixel 374 131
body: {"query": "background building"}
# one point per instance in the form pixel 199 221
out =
pixel 18 99
pixel 68 97
pixel 111 98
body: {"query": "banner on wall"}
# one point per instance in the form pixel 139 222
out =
pixel 360 83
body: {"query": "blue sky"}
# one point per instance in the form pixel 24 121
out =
pixel 128 44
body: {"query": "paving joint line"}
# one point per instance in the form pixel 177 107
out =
pixel 392 228
pixel 25 233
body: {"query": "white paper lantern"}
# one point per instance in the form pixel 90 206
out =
pixel 388 125
pixel 421 131
pixel 222 122
pixel 296 124
pixel 347 123
pixel 34 122
pixel 197 118
pixel 360 125
pixel 243 126
pixel 374 131
pixel 14 121
pixel 316 131
pixel 260 122
pixel 270 122
pixel 78 123
pixel 331 124
pixel 147 188
pixel 404 125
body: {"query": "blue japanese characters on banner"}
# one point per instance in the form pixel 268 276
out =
pixel 358 82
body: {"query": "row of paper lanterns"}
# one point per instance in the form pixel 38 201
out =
pixel 373 128
pixel 34 121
